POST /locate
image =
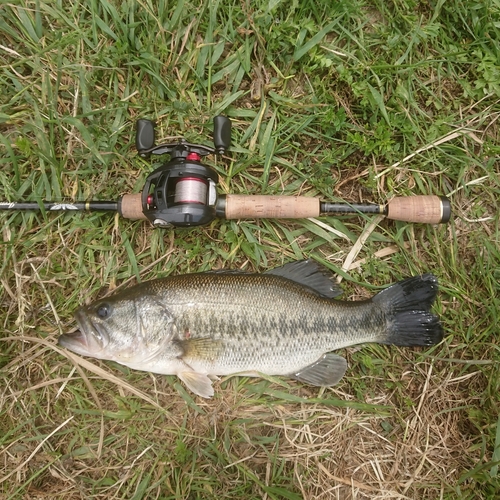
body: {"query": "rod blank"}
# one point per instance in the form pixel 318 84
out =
pixel 53 206
pixel 420 209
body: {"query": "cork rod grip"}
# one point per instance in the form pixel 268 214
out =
pixel 425 209
pixel 130 207
pixel 271 207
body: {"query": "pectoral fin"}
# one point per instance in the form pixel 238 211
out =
pixel 201 348
pixel 197 382
pixel 328 370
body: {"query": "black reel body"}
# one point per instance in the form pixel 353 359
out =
pixel 182 192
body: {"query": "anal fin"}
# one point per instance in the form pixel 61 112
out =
pixel 326 371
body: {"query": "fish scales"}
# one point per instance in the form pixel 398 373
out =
pixel 262 319
pixel 283 322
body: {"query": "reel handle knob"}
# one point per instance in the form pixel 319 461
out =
pixel 222 133
pixel 145 135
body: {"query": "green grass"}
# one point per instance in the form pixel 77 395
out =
pixel 351 100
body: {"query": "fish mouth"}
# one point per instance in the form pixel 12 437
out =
pixel 86 339
pixel 73 340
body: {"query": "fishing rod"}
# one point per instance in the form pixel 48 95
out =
pixel 183 192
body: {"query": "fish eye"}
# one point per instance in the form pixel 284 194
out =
pixel 104 311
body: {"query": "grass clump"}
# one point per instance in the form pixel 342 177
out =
pixel 352 100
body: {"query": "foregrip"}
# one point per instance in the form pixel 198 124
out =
pixel 130 207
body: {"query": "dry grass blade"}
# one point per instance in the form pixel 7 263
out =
pixel 358 246
pixel 443 140
pixel 21 466
pixel 104 374
pixel 88 365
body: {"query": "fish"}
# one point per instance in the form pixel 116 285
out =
pixel 283 322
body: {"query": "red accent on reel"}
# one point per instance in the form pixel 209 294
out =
pixel 193 157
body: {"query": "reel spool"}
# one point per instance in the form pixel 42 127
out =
pixel 191 190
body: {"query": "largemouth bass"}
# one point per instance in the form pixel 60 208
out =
pixel 282 322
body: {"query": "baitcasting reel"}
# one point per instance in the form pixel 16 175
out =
pixel 182 192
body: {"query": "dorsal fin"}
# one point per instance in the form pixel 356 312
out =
pixel 311 274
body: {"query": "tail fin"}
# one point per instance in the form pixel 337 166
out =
pixel 407 305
